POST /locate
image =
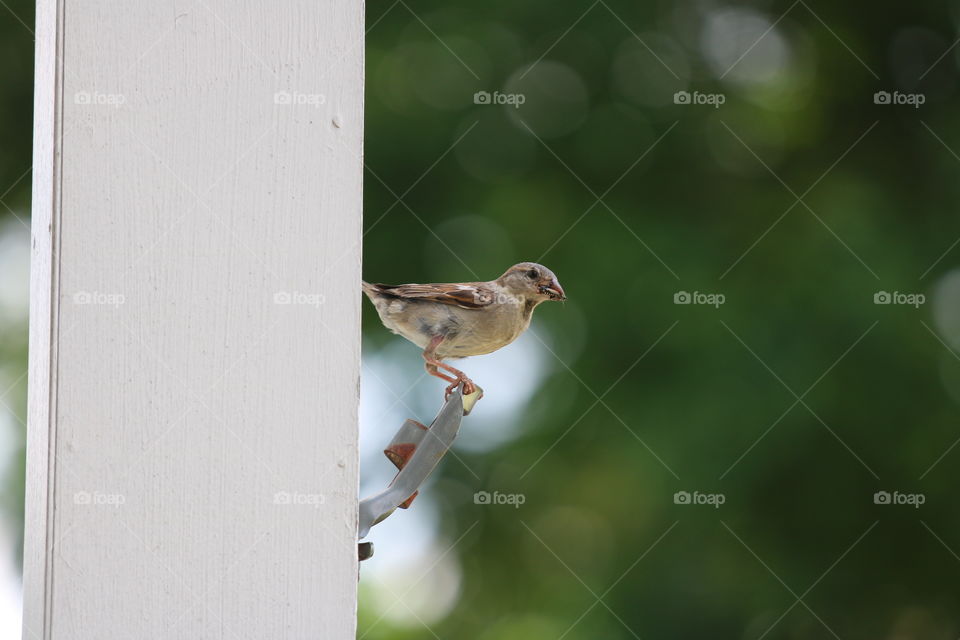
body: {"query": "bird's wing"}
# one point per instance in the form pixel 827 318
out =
pixel 471 295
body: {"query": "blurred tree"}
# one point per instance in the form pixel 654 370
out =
pixel 794 195
pixel 16 108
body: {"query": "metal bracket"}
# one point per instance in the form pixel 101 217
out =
pixel 415 450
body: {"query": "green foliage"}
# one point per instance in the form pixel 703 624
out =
pixel 802 494
pixel 16 107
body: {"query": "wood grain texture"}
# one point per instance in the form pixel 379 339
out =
pixel 195 321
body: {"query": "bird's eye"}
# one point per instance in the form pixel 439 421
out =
pixel 532 274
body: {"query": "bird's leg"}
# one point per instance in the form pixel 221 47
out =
pixel 468 385
pixel 431 368
pixel 433 364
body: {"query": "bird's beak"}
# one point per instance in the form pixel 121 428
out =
pixel 553 290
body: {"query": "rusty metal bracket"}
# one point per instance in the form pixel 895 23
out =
pixel 415 450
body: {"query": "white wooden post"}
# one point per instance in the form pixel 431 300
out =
pixel 194 364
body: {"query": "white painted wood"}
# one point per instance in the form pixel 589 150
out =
pixel 195 315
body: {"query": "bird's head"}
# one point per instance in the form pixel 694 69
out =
pixel 533 282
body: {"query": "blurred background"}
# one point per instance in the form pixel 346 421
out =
pixel 744 421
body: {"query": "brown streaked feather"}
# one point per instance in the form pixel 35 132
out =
pixel 469 295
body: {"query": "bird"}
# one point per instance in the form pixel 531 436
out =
pixel 457 320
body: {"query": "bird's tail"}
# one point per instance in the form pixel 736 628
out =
pixel 370 289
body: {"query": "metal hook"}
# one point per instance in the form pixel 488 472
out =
pixel 415 450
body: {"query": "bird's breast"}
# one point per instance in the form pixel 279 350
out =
pixel 484 331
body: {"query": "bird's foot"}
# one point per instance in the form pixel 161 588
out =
pixel 468 386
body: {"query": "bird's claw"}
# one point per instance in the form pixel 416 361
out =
pixel 468 387
pixel 471 394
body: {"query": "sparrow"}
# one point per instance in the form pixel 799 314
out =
pixel 456 320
